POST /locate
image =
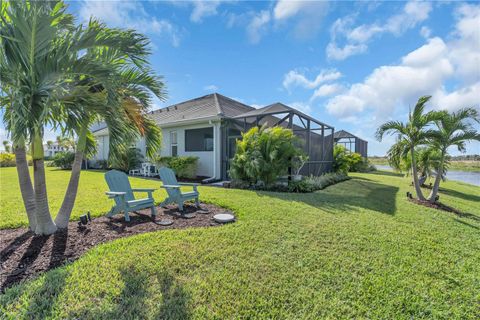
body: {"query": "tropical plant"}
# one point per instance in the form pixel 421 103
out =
pixel 63 159
pixel 344 160
pixel 263 154
pixel 411 134
pixel 50 76
pixel 128 160
pixel 453 130
pixel 7 160
pixel 184 167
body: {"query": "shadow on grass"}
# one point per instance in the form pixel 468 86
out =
pixel 133 301
pixel 466 224
pixel 461 195
pixel 348 196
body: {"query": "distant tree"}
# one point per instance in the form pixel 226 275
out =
pixel 6 146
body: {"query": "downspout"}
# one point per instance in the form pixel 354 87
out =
pixel 215 147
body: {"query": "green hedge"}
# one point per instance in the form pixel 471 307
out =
pixel 8 160
pixel 184 167
pixel 63 160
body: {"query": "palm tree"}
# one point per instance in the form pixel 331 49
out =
pixel 453 129
pixel 41 54
pixel 412 134
pixel 124 111
pixel 6 146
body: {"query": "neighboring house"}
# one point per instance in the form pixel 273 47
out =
pixel 208 127
pixel 351 142
pixel 53 149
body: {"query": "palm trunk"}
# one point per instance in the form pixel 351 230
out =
pixel 45 224
pixel 69 200
pixel 25 182
pixel 438 178
pixel 418 190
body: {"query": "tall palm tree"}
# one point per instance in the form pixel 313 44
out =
pixel 453 130
pixel 41 53
pixel 124 110
pixel 413 133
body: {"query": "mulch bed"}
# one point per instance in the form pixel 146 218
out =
pixel 23 255
pixel 440 206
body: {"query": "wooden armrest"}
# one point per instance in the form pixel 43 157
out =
pixel 188 184
pixel 144 189
pixel 115 193
pixel 167 186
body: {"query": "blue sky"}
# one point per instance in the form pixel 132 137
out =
pixel 353 65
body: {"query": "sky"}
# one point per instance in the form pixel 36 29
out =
pixel 353 65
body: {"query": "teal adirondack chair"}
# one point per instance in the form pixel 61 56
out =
pixel 122 193
pixel 175 195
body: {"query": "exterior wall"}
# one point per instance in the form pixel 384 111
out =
pixel 208 162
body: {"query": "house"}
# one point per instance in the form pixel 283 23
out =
pixel 52 149
pixel 351 142
pixel 208 127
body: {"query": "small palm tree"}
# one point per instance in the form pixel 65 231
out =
pixel 413 133
pixel 453 129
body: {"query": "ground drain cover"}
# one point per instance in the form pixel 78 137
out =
pixel 164 222
pixel 224 217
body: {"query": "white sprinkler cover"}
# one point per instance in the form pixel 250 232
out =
pixel 224 217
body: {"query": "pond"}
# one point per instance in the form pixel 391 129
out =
pixel 463 176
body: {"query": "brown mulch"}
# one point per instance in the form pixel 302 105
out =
pixel 440 206
pixel 23 255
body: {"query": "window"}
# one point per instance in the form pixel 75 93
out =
pixel 173 144
pixel 199 139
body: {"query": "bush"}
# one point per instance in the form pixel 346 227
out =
pixel 184 167
pixel 7 160
pixel 126 161
pixel 345 161
pixel 264 154
pixel 63 160
pixel 312 183
pixel 363 166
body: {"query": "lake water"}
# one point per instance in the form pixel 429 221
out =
pixel 463 176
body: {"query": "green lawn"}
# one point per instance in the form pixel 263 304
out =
pixel 358 249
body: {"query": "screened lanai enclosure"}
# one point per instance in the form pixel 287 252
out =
pixel 316 137
pixel 351 142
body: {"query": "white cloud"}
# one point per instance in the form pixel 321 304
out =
pixel 424 71
pixel 327 90
pixel 296 78
pixel 210 87
pixel 356 38
pixel 309 15
pixel 301 106
pixel 257 26
pixel 425 32
pixel 202 9
pixel 131 14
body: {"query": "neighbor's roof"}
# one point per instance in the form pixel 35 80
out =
pixel 344 134
pixel 212 105
pixel 277 108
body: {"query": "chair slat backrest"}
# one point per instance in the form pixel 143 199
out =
pixel 118 182
pixel 168 178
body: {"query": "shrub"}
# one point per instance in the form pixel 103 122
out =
pixel 313 183
pixel 63 160
pixel 363 166
pixel 184 167
pixel 126 161
pixel 264 154
pixel 7 160
pixel 343 160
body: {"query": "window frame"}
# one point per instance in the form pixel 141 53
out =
pixel 204 140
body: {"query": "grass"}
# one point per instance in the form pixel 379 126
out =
pixel 357 249
pixel 472 166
